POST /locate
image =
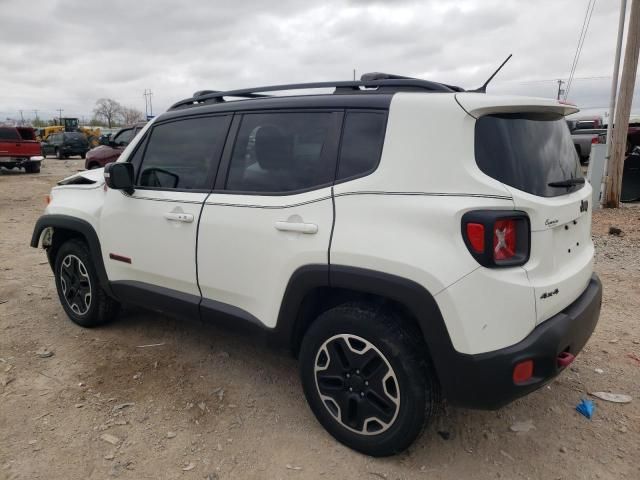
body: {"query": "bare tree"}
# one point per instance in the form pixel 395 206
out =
pixel 131 115
pixel 108 110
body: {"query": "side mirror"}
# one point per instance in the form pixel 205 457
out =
pixel 119 176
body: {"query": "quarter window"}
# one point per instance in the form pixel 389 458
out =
pixel 183 154
pixel 362 138
pixel 282 152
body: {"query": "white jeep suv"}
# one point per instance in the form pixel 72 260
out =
pixel 405 239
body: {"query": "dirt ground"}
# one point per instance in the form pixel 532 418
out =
pixel 209 404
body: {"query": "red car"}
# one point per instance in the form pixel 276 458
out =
pixel 19 148
pixel 101 155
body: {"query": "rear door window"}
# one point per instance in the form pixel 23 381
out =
pixel 527 152
pixel 283 152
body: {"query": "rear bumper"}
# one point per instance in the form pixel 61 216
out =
pixel 485 381
pixel 18 161
pixel 74 150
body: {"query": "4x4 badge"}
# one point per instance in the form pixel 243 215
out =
pixel 549 294
pixel 584 206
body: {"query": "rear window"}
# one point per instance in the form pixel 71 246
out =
pixel 74 136
pixel 527 152
pixel 9 134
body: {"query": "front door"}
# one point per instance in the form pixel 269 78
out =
pixel 149 237
pixel 270 214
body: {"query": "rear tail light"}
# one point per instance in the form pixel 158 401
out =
pixel 497 238
pixel 504 239
pixel 475 234
pixel 595 140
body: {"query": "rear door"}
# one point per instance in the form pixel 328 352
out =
pixel 270 213
pixel 533 155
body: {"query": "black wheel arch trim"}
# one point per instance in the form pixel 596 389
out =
pixel 419 302
pixel 86 230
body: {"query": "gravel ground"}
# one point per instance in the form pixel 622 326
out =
pixel 207 404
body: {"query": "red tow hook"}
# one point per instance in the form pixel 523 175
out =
pixel 564 359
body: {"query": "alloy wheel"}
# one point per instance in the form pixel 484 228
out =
pixel 75 284
pixel 357 384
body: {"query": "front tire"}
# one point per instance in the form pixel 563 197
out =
pixel 367 380
pixel 78 286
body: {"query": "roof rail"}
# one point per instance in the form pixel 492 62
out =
pixel 365 86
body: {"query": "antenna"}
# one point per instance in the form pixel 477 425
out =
pixel 483 88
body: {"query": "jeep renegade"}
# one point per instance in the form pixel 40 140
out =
pixel 405 239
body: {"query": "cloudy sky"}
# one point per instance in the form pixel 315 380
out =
pixel 66 54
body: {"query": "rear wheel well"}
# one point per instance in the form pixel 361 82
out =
pixel 321 299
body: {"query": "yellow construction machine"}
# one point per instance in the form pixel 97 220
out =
pixel 71 125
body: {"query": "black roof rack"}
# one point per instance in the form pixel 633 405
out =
pixel 369 83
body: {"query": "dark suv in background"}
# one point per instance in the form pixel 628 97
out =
pixel 109 152
pixel 65 144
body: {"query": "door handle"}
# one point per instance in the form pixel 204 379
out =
pixel 299 227
pixel 179 217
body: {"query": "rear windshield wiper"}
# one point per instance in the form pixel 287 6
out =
pixel 570 182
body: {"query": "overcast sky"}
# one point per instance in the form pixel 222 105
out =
pixel 66 54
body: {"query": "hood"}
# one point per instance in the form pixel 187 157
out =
pixel 94 177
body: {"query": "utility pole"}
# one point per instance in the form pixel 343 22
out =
pixel 60 110
pixel 21 118
pixel 623 109
pixel 560 90
pixel 148 106
pixel 612 101
pixel 35 112
pixel 354 74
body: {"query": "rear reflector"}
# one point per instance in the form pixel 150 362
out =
pixel 523 371
pixel 504 239
pixel 475 235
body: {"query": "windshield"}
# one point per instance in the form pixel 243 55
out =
pixel 527 152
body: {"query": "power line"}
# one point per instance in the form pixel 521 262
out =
pixel 575 55
pixel 583 35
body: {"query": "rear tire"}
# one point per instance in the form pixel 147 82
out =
pixel 83 155
pixel 58 154
pixel 83 299
pixel 367 379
